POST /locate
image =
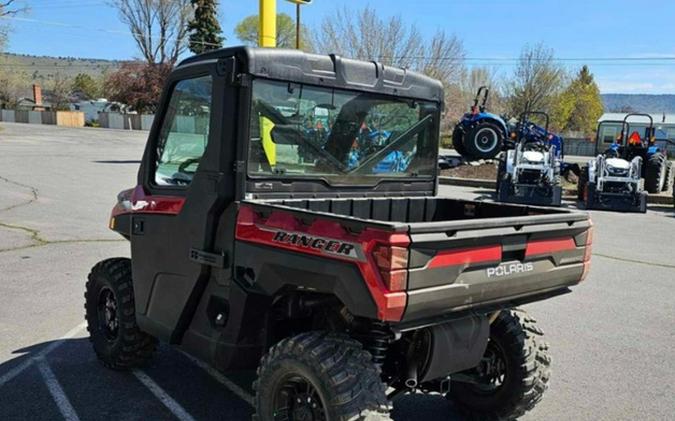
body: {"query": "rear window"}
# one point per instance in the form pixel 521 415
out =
pixel 341 136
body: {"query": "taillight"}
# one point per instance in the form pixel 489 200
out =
pixel 392 263
pixel 587 252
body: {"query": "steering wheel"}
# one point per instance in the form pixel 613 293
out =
pixel 182 168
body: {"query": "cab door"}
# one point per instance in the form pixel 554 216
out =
pixel 185 190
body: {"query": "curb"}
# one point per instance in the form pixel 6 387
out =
pixel 567 194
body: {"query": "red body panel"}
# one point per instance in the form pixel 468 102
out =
pixel 549 246
pixel 254 228
pixel 466 256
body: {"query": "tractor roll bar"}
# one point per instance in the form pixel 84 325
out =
pixel 523 118
pixel 485 91
pixel 650 130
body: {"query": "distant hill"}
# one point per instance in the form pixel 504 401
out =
pixel 639 102
pixel 41 68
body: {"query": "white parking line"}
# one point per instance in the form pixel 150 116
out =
pixel 164 397
pixel 41 354
pixel 56 391
pixel 241 393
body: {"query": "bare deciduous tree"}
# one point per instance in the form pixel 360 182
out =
pixel 536 82
pixel 159 27
pixel 59 91
pixel 365 35
pixel 484 76
pixel 7 8
pixel 13 84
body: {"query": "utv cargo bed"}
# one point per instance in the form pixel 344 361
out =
pixel 420 257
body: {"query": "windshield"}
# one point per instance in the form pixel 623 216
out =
pixel 341 136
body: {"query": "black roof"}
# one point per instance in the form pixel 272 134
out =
pixel 328 70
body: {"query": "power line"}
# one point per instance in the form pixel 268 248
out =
pixel 108 31
pixel 484 61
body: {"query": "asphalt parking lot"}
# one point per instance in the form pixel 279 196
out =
pixel 612 339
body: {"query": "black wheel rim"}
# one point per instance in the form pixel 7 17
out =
pixel 108 321
pixel 297 399
pixel 492 370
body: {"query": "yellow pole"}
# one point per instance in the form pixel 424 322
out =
pixel 268 23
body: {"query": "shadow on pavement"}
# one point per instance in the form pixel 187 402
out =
pixel 663 210
pixel 95 392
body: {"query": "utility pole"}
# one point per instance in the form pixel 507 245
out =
pixel 298 3
pixel 297 26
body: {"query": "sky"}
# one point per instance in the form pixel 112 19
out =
pixel 593 30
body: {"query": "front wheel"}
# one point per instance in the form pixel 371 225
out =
pixel 111 317
pixel 319 376
pixel 513 374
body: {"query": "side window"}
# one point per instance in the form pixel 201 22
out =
pixel 184 133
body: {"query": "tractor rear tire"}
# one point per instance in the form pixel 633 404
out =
pixel 484 140
pixel 111 317
pixel 669 176
pixel 514 372
pixel 320 374
pixel 581 183
pixel 458 142
pixel 655 173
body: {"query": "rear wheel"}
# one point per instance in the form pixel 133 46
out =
pixel 669 176
pixel 319 376
pixel 581 183
pixel 111 319
pixel 655 173
pixel 484 140
pixel 513 374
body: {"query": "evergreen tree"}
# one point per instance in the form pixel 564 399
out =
pixel 580 105
pixel 204 27
pixel 86 86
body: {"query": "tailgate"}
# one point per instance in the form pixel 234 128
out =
pixel 459 265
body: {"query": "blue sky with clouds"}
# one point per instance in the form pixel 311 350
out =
pixel 593 29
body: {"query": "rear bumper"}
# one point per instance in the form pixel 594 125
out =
pixel 477 291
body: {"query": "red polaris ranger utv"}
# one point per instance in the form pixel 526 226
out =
pixel 286 218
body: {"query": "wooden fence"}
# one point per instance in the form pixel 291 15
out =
pixel 59 118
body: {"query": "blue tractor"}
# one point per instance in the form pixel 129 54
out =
pixel 480 134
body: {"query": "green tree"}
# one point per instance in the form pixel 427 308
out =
pixel 247 32
pixel 204 27
pixel 536 82
pixel 86 86
pixel 580 105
